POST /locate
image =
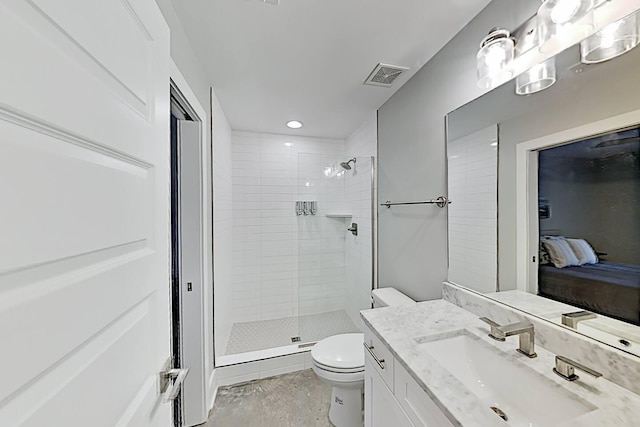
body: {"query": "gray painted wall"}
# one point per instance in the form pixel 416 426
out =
pixel 412 161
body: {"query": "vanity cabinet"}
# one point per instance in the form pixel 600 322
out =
pixel 392 396
pixel 381 409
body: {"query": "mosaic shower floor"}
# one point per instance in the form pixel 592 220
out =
pixel 265 334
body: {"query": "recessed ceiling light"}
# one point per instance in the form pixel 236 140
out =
pixel 294 124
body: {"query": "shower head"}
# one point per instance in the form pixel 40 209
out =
pixel 346 165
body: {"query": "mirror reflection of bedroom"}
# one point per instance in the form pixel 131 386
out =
pixel 589 222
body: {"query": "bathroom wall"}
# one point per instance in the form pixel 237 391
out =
pixel 223 226
pixel 412 162
pixel 265 256
pixel 362 144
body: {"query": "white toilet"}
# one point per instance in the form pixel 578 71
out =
pixel 339 361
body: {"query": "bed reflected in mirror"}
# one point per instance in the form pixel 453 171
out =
pixel 588 217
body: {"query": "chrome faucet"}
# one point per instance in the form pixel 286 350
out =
pixel 571 319
pixel 524 330
pixel 565 368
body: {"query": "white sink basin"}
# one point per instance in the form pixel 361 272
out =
pixel 499 381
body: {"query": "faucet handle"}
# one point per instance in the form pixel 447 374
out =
pixel 495 333
pixel 565 368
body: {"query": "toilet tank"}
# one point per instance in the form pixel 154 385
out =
pixel 389 297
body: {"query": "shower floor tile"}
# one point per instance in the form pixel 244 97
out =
pixel 265 334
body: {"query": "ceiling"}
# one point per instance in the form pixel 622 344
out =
pixel 307 59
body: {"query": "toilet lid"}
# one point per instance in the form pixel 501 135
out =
pixel 342 351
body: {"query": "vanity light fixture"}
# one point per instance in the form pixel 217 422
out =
pixel 563 23
pixel 494 58
pixel 527 51
pixel 538 78
pixel 612 41
pixel 294 124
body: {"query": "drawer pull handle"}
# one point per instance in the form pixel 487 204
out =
pixel 379 361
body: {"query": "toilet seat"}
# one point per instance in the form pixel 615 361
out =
pixel 338 370
pixel 341 354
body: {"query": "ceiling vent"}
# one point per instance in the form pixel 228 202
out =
pixel 384 75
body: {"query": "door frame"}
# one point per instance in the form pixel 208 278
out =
pixel 202 351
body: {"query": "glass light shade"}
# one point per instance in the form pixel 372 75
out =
pixel 563 23
pixel 537 78
pixel 494 59
pixel 613 40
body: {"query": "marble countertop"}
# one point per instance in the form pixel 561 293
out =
pixel 398 328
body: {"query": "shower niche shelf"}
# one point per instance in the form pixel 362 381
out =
pixel 339 215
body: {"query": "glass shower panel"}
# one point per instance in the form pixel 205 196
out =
pixel 359 193
pixel 331 279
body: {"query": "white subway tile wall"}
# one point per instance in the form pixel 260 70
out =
pixel 274 250
pixel 473 226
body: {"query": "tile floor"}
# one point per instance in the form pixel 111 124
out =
pixel 298 399
pixel 264 334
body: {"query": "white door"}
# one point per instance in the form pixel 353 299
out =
pixel 84 217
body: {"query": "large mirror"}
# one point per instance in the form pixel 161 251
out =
pixel 557 173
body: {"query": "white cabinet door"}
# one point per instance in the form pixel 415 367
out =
pixel 380 406
pixel 84 218
pixel 417 404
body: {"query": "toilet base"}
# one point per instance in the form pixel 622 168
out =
pixel 346 406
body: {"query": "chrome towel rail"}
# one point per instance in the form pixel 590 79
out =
pixel 440 202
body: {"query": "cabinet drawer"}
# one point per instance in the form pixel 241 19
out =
pixel 381 356
pixel 421 410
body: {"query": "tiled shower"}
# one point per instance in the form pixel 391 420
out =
pixel 292 277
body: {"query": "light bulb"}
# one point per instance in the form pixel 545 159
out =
pixel 563 23
pixel 607 41
pixel 564 11
pixel 612 28
pixel 495 56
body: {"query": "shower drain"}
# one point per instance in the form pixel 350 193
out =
pixel 499 412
